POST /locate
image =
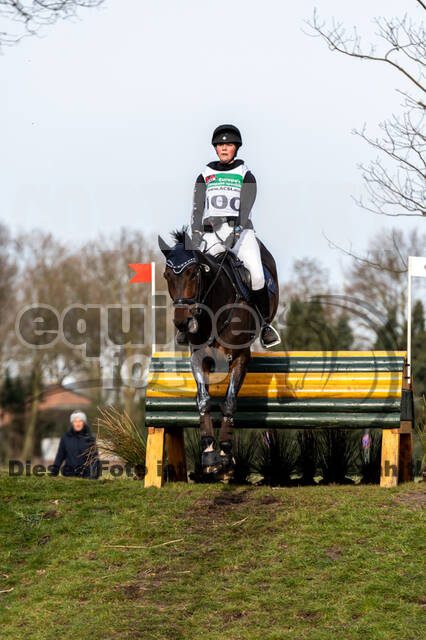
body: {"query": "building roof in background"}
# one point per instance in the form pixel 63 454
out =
pixel 53 397
pixel 58 397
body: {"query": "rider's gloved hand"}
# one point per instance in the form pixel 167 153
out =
pixel 197 239
pixel 229 240
pixel 237 232
pixel 233 237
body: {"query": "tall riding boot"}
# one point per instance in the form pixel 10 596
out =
pixel 268 336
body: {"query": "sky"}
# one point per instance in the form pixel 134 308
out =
pixel 107 121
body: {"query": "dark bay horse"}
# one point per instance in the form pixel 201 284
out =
pixel 220 326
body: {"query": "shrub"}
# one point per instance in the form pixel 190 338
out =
pixel 118 436
pixel 308 457
pixel 369 467
pixel 245 451
pixel 338 454
pixel 277 457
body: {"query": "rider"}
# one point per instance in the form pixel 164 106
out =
pixel 224 195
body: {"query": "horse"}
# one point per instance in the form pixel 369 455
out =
pixel 220 326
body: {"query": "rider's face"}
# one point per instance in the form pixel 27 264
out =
pixel 226 152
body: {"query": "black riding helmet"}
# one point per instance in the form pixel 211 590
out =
pixel 227 133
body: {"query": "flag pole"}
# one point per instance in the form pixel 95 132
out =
pixel 409 322
pixel 153 333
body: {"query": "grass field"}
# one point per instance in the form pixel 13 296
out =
pixel 216 562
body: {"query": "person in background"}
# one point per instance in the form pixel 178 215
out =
pixel 77 450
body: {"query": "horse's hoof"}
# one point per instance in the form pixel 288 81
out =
pixel 226 472
pixel 210 462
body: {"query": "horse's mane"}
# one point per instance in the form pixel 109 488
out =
pixel 179 234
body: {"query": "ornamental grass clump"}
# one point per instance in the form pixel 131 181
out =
pixel 245 451
pixel 369 467
pixel 308 456
pixel 277 458
pixel 119 436
pixel 421 432
pixel 338 454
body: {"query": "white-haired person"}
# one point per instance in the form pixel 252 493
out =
pixel 76 450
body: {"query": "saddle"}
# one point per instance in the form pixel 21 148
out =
pixel 240 275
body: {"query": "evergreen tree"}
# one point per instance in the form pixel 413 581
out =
pixel 12 394
pixel 344 333
pixel 308 327
pixel 294 335
pixel 389 335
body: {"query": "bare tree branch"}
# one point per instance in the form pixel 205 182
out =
pixel 33 15
pixel 396 184
pixel 338 40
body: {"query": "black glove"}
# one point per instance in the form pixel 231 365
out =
pixel 233 238
pixel 197 239
pixel 230 240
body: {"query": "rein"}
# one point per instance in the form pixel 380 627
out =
pixel 188 302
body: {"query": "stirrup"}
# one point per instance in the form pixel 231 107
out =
pixel 276 334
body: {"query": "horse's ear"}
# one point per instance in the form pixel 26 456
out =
pixel 164 247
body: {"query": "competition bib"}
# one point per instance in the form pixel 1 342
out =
pixel 223 191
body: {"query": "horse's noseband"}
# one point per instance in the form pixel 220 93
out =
pixel 177 270
pixel 190 302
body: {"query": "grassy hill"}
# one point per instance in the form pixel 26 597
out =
pixel 321 563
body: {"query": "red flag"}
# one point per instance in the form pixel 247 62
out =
pixel 143 272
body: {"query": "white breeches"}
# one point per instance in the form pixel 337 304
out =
pixel 246 249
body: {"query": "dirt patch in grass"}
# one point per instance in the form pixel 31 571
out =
pixel 265 500
pixel 334 553
pixel 226 499
pixel 312 616
pixel 232 507
pixel 148 581
pixel 216 508
pixel 52 513
pixel 232 617
pixel 413 500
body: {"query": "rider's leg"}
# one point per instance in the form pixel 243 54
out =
pixel 247 249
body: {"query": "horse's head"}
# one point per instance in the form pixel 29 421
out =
pixel 183 273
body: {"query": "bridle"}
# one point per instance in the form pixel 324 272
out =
pixel 196 300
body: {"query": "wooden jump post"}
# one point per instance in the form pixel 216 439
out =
pixel 288 390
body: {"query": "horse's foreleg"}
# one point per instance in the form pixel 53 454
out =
pixel 201 370
pixel 238 371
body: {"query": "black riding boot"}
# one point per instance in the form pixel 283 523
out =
pixel 268 336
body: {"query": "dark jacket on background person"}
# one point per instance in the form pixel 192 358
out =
pixel 74 449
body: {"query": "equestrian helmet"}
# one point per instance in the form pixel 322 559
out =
pixel 227 133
